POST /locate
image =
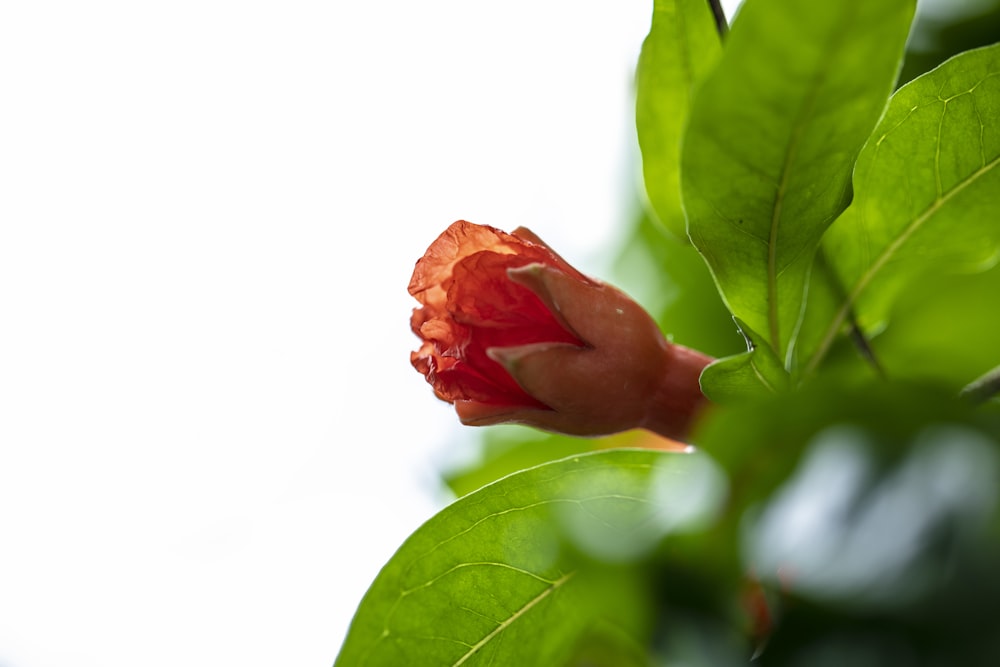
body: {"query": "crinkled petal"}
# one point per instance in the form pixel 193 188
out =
pixel 462 239
pixel 469 304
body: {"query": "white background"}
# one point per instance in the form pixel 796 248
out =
pixel 210 435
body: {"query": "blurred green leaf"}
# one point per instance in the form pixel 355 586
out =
pixel 753 372
pixel 773 134
pixel 519 571
pixel 681 47
pixel 760 441
pixel 926 189
pixel 937 36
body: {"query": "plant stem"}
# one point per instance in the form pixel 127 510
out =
pixel 823 271
pixel 720 17
pixel 677 401
pixel 864 347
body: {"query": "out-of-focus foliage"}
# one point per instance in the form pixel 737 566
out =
pixel 937 37
pixel 871 513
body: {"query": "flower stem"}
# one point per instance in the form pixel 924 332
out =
pixel 678 400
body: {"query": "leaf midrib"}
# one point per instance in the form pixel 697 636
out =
pixel 805 112
pixel 791 152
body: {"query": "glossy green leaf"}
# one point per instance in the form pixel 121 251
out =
pixel 517 573
pixel 755 371
pixel 681 47
pixel 773 134
pixel 927 190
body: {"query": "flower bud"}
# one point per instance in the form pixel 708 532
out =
pixel 513 334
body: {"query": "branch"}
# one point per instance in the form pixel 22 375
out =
pixel 720 17
pixel 822 269
pixel 864 347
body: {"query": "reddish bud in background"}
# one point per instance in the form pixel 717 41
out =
pixel 513 334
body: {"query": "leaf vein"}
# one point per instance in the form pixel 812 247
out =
pixel 802 118
pixel 516 615
pixel 460 566
pixel 760 376
pixel 491 515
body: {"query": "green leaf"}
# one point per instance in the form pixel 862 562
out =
pixel 773 133
pixel 507 449
pixel 926 190
pixel 943 328
pixel 753 372
pixel 518 572
pixel 681 47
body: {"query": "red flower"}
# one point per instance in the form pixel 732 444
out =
pixel 512 333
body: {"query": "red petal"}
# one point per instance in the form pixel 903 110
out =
pixel 470 305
